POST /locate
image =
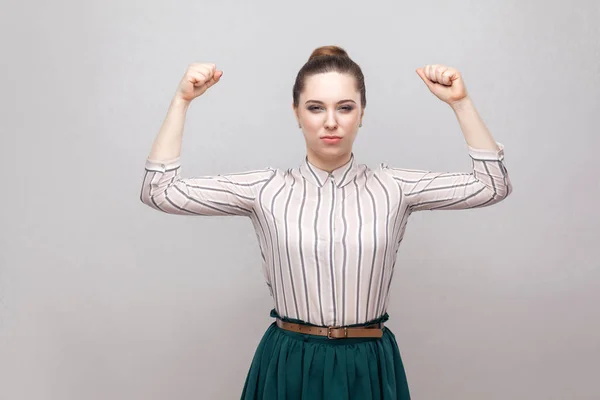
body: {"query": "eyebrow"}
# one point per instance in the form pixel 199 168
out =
pixel 320 102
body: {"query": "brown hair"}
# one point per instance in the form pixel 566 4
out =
pixel 329 59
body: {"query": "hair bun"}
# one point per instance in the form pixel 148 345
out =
pixel 328 51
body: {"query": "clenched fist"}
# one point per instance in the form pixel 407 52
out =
pixel 446 83
pixel 197 79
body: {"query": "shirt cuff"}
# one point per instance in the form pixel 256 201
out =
pixel 163 165
pixel 486 154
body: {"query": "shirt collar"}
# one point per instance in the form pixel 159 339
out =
pixel 341 175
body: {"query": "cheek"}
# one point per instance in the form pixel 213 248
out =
pixel 312 122
pixel 350 120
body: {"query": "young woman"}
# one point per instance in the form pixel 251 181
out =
pixel 329 229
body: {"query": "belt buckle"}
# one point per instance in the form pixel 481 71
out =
pixel 329 328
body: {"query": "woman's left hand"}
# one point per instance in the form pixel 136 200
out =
pixel 444 82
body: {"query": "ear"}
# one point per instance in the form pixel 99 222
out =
pixel 296 114
pixel 295 110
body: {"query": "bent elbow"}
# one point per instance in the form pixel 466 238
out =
pixel 159 197
pixel 498 193
pixel 505 189
pixel 148 198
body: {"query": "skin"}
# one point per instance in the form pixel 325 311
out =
pixel 334 117
pixel 444 82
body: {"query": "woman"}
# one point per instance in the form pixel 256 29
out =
pixel 328 230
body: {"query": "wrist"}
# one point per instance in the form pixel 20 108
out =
pixel 180 102
pixel 461 104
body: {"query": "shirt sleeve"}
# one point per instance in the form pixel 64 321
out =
pixel 164 189
pixel 487 184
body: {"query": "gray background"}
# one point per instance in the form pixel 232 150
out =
pixel 102 297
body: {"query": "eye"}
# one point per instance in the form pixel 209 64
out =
pixel 345 108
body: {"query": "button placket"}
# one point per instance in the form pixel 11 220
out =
pixel 334 217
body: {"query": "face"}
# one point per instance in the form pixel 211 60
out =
pixel 329 106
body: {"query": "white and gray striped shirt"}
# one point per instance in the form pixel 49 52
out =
pixel 328 241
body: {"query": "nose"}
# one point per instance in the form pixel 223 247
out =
pixel 330 122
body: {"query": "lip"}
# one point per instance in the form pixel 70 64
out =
pixel 331 139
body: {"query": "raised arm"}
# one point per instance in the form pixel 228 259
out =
pixel 487 184
pixel 196 80
pixel 164 188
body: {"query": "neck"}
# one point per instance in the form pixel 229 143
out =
pixel 329 163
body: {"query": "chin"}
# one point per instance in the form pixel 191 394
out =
pixel 334 150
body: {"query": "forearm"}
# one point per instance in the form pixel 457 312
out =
pixel 167 145
pixel 476 133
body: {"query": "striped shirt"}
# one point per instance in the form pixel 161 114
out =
pixel 328 241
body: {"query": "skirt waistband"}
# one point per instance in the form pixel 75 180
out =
pixel 381 319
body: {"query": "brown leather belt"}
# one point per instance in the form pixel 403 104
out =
pixel 335 332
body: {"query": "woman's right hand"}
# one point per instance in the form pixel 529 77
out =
pixel 197 79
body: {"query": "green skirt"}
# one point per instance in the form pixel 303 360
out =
pixel 290 365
